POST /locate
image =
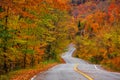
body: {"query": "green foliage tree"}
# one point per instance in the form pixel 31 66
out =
pixel 30 32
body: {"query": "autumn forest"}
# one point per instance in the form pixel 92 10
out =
pixel 36 31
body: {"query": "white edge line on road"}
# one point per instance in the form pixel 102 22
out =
pixel 96 67
pixel 33 77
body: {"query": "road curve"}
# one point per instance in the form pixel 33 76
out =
pixel 76 69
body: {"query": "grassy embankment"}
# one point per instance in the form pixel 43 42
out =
pixel 28 73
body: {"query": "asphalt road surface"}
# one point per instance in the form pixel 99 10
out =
pixel 76 69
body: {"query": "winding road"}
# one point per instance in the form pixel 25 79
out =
pixel 76 69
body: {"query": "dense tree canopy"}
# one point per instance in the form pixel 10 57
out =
pixel 100 41
pixel 32 31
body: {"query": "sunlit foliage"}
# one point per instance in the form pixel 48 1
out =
pixel 100 41
pixel 32 31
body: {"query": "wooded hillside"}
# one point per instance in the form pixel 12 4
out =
pixel 98 38
pixel 32 31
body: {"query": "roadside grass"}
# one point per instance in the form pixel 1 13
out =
pixel 28 73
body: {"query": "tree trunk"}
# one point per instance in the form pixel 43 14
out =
pixel 24 62
pixel 5 64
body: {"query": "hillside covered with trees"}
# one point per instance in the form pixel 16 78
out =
pixel 34 31
pixel 98 38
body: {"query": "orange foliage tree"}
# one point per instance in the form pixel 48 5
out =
pixel 27 27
